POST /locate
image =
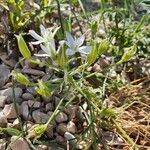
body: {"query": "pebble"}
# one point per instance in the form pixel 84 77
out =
pixel 61 117
pixel 60 139
pixel 71 127
pixel 27 96
pixel 31 90
pixel 16 124
pixel 70 137
pixel 3 100
pixel 9 111
pixel 8 92
pixel 33 72
pixel 49 107
pixel 2 144
pixel 49 131
pixel 3 120
pixel 61 128
pixel 73 110
pixel 19 144
pixel 4 74
pixel 41 147
pixel 34 104
pixel 24 110
pixel 39 117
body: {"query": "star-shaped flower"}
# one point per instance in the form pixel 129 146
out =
pixel 46 41
pixel 75 45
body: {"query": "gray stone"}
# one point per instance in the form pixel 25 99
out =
pixel 19 144
pixel 49 131
pixel 24 110
pixel 33 72
pixel 4 74
pixel 8 92
pixel 61 128
pixel 3 100
pixel 3 120
pixel 9 111
pixel 39 117
pixel 27 96
pixel 49 107
pixel 61 117
pixel 71 138
pixel 34 104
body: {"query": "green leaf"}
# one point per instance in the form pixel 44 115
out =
pixel 128 54
pixel 43 89
pixel 92 56
pixel 36 131
pixel 103 47
pixel 10 131
pixel 19 77
pixel 62 57
pixel 23 47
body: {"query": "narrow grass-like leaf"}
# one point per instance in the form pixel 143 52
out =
pixel 23 48
pixel 10 131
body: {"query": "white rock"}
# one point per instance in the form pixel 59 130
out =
pixel 39 117
pixel 24 110
pixel 19 144
pixel 8 92
pixel 9 111
pixel 71 138
pixel 16 123
pixel 3 120
pixel 3 100
pixel 2 144
pixel 71 127
pixel 4 74
pixel 27 96
pixel 61 117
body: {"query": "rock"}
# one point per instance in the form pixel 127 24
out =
pixel 8 92
pixel 71 127
pixel 33 72
pixel 60 139
pixel 72 112
pixel 61 117
pixel 39 117
pixel 9 111
pixel 41 147
pixel 71 138
pixel 10 62
pixel 61 128
pixel 3 100
pixel 4 74
pixel 19 144
pixel 49 107
pixel 27 96
pixel 31 90
pixel 34 104
pixel 49 131
pixel 3 120
pixel 2 144
pixel 16 124
pixel 24 110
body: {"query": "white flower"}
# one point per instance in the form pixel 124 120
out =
pixel 46 41
pixel 75 45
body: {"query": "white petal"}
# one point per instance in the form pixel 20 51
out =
pixel 36 42
pixel 84 49
pixel 35 35
pixel 43 31
pixel 70 52
pixel 55 31
pixel 45 49
pixel 70 39
pixel 41 55
pixel 79 41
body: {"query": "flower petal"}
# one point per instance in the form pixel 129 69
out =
pixel 84 49
pixel 45 49
pixel 70 39
pixel 43 30
pixel 36 42
pixel 41 55
pixel 70 52
pixel 35 35
pixel 79 41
